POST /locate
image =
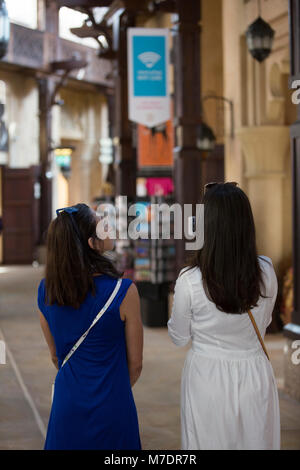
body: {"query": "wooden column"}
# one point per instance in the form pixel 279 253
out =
pixel 293 329
pixel 46 88
pixel 187 157
pixel 51 17
pixel 125 154
pixel 110 97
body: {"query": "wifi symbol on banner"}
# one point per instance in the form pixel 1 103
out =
pixel 149 59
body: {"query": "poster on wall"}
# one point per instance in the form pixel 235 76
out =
pixel 148 80
pixel 155 145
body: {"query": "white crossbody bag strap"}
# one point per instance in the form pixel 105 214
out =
pixel 103 310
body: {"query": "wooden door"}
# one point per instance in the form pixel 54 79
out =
pixel 20 209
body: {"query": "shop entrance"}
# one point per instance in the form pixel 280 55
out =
pixel 68 179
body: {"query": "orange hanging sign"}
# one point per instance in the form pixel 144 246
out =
pixel 155 146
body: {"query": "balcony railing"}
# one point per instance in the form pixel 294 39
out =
pixel 34 49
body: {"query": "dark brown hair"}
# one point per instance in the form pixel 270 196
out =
pixel 228 261
pixel 71 262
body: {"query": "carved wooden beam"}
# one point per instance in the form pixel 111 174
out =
pixel 165 6
pixel 93 32
pixel 83 3
pixel 108 54
pixel 96 29
pixel 86 32
pixel 136 6
pixel 68 65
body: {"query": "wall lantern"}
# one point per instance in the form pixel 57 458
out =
pixel 206 139
pixel 4 29
pixel 63 156
pixel 260 37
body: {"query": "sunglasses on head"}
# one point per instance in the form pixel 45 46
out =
pixel 68 210
pixel 212 185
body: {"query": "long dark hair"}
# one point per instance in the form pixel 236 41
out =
pixel 228 261
pixel 71 262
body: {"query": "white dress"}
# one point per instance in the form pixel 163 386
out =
pixel 229 397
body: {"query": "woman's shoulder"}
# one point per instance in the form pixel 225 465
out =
pixel 106 283
pixel 266 264
pixel 190 272
pixel 42 283
pixel 41 294
pixel 111 280
pixel 265 260
pixel 189 277
pixel 126 283
pixel 269 274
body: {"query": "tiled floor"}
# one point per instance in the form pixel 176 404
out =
pixel 25 380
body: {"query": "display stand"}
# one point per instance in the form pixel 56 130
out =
pixel 154 264
pixel 149 262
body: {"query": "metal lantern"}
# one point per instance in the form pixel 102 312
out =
pixel 206 139
pixel 4 29
pixel 260 37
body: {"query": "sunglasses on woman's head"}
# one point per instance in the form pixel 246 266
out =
pixel 68 210
pixel 212 185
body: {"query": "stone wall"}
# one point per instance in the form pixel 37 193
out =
pixel 21 117
pixel 80 122
pixel 259 155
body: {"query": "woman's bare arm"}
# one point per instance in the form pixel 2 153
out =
pixel 49 339
pixel 130 312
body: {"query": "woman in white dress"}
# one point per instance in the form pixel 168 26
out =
pixel 229 397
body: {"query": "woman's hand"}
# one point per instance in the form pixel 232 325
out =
pixel 55 361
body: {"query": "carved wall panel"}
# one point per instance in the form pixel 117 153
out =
pixel 28 49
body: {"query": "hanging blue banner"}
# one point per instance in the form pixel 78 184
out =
pixel 148 67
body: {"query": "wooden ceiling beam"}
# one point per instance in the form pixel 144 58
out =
pixel 165 6
pixel 85 32
pixel 131 5
pixel 83 3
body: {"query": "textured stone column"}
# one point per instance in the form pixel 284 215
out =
pixel 266 157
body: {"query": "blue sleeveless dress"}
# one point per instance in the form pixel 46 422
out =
pixel 93 405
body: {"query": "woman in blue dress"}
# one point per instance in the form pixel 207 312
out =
pixel 93 405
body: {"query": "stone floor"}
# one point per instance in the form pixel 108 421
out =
pixel 25 380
